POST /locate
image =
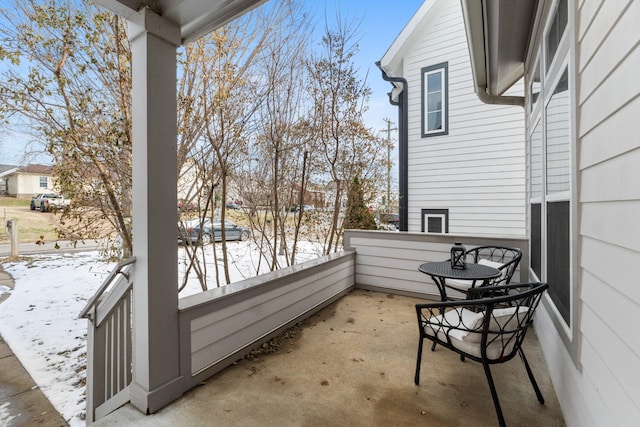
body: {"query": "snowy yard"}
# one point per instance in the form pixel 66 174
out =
pixel 39 319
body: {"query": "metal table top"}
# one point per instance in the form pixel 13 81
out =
pixel 472 272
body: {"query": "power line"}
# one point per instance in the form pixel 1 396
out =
pixel 388 131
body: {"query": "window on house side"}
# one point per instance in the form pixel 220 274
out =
pixel 534 87
pixel 43 182
pixel 558 139
pixel 435 109
pixel 556 30
pixel 435 221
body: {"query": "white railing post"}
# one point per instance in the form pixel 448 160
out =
pixel 109 341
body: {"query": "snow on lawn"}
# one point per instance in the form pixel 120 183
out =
pixel 40 321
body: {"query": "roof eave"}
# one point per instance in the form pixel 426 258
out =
pixel 195 18
pixel 498 33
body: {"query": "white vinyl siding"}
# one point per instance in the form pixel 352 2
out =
pixel 603 389
pixel 390 260
pixel 477 170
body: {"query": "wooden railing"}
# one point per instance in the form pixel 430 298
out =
pixel 109 342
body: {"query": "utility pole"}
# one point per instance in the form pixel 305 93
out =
pixel 388 131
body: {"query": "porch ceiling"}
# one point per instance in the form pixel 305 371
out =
pixel 498 33
pixel 194 17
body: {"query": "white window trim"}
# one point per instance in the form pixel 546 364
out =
pixel 443 215
pixel 443 70
pixel 427 217
pixel 565 56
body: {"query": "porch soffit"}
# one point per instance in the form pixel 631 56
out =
pixel 195 18
pixel 498 34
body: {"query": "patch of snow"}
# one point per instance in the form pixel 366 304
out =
pixel 40 321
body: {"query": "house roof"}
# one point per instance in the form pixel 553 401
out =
pixel 6 170
pixel 498 34
pixel 392 61
pixel 195 18
pixel 37 169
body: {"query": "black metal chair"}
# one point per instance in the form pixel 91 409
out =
pixel 489 329
pixel 504 259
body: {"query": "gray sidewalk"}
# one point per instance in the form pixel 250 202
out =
pixel 22 403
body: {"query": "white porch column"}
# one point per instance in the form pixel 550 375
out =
pixel 156 361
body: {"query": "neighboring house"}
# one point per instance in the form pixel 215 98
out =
pixel 581 64
pixel 5 172
pixel 462 162
pixel 314 195
pixel 25 181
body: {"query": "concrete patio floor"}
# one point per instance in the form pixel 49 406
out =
pixel 352 364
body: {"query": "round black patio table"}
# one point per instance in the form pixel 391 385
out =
pixel 440 271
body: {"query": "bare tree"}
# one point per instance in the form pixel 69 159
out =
pixel 280 139
pixel 67 76
pixel 347 146
pixel 224 86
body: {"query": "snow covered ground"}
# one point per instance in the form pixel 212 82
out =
pixel 39 319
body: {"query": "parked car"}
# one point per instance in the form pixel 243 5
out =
pixel 394 219
pixel 233 205
pixel 212 230
pixel 48 202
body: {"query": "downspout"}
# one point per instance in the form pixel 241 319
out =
pixel 403 145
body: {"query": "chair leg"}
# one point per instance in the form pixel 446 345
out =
pixel 531 377
pixel 433 346
pixel 494 394
pixel 416 378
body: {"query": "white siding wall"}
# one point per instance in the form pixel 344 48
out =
pixel 219 326
pixel 389 261
pixel 477 171
pixel 606 391
pixel 21 184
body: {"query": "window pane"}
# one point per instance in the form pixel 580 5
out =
pixel 43 182
pixel 434 101
pixel 556 30
pixel 534 88
pixel 559 138
pixel 435 220
pixel 536 162
pixel 434 82
pixel 536 239
pixel 435 224
pixel 558 257
pixel 434 121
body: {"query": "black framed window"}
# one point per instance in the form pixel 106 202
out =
pixel 435 221
pixel 43 182
pixel 435 104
